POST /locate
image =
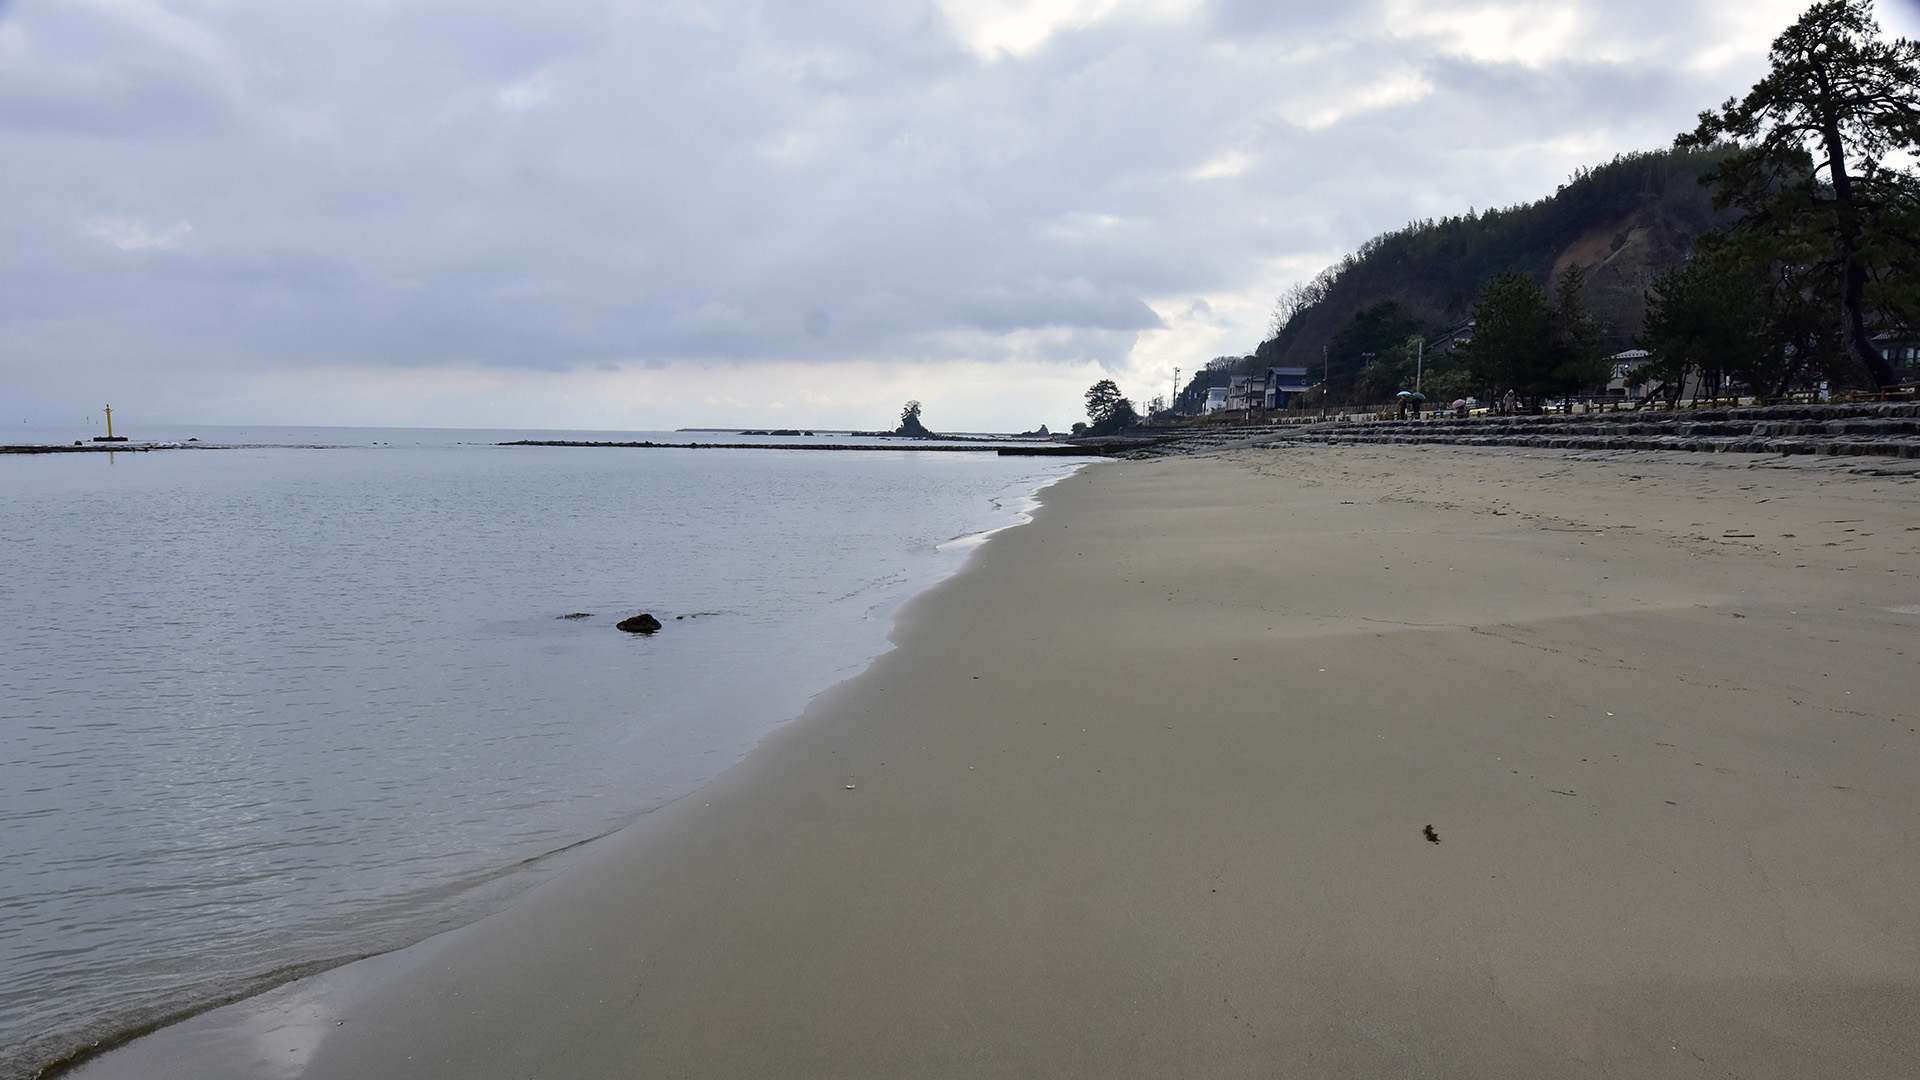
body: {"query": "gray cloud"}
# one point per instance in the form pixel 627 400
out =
pixel 199 189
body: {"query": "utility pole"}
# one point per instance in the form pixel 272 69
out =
pixel 1418 363
pixel 1173 403
pixel 1326 378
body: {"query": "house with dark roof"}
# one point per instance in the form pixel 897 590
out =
pixel 1268 390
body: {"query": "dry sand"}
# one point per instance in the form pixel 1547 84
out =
pixel 1145 791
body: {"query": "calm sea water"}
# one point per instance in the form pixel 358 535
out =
pixel 266 709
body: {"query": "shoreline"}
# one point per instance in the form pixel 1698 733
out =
pixel 1147 788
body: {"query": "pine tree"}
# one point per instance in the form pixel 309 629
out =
pixel 1810 174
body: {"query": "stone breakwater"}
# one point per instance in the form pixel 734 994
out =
pixel 1864 430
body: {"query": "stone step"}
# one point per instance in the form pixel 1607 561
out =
pixel 1687 428
pixel 1890 429
pixel 1888 446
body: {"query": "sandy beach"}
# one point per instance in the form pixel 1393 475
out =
pixel 1348 762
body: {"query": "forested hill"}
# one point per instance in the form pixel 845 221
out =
pixel 1622 223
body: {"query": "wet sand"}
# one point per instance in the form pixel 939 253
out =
pixel 1154 788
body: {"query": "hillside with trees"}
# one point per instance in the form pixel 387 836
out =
pixel 1621 223
pixel 1766 249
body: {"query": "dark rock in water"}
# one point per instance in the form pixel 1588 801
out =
pixel 578 615
pixel 640 624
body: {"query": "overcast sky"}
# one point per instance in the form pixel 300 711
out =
pixel 597 214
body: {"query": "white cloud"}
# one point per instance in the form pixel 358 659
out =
pixel 128 234
pixel 1531 34
pixel 1225 167
pixel 1380 90
pixel 1538 33
pixel 991 28
pixel 524 95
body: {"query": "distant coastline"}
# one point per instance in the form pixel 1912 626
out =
pixel 98 448
pixel 911 444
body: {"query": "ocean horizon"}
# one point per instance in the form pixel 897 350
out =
pixel 314 437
